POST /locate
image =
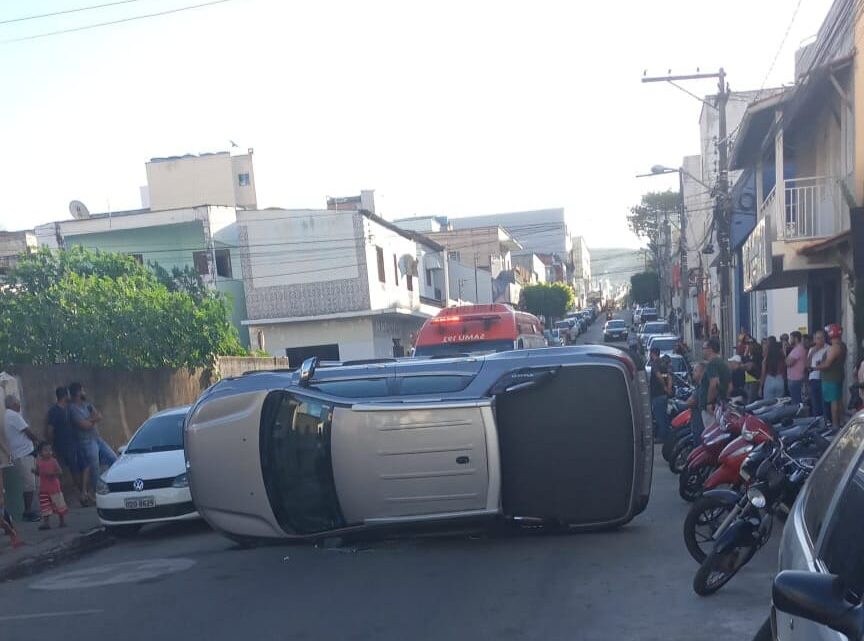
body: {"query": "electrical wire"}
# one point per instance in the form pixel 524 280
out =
pixel 66 11
pixel 109 23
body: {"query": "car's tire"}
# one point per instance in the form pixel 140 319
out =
pixel 123 531
pixel 691 481
pixel 680 453
pixel 706 512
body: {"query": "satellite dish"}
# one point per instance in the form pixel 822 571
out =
pixel 408 265
pixel 79 210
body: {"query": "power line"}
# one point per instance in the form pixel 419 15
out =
pixel 779 49
pixel 109 23
pixel 66 11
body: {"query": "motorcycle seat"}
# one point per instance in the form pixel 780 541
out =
pixel 799 429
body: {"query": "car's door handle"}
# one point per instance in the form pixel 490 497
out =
pixel 463 460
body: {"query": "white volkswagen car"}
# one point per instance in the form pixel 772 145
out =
pixel 148 483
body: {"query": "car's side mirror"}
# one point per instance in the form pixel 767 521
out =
pixel 307 370
pixel 820 598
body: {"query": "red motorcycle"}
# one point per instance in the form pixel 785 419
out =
pixel 717 503
pixel 705 458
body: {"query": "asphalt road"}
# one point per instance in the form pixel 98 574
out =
pixel 186 582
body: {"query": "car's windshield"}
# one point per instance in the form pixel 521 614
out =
pixel 158 434
pixel 469 347
pixel 664 344
pixel 616 324
pixel 655 328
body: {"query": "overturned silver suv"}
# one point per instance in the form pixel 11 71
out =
pixel 560 436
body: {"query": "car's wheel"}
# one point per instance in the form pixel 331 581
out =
pixel 123 531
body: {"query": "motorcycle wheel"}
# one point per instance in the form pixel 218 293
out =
pixel 671 441
pixel 718 569
pixel 691 481
pixel 703 519
pixel 680 453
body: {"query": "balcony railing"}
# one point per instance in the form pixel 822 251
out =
pixel 812 209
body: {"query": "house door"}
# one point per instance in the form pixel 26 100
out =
pixel 823 292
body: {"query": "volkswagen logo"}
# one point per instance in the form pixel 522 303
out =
pixel 138 485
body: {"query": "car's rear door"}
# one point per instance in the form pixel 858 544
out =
pixel 415 461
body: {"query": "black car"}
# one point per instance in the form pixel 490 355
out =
pixel 615 330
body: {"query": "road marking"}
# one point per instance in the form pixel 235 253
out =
pixel 45 615
pixel 113 573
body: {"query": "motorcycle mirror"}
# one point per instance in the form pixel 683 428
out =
pixel 820 598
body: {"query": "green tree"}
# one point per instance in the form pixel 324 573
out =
pixel 550 300
pixel 644 288
pixel 100 308
pixel 648 218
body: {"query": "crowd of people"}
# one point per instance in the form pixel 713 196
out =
pixel 72 444
pixel 808 369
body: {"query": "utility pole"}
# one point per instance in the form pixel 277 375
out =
pixel 723 219
pixel 682 248
pixel 722 207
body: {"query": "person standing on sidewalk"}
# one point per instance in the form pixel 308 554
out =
pixel 51 499
pixel 5 518
pixel 832 374
pixel 796 362
pixel 22 443
pixel 92 448
pixel 61 433
pixel 815 356
pixel 773 370
pixel 659 387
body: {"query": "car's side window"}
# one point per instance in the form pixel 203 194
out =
pixel 827 477
pixel 843 547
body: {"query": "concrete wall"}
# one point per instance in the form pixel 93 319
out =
pixel 303 262
pixel 353 335
pixel 210 179
pixel 393 292
pixel 231 366
pixel 125 398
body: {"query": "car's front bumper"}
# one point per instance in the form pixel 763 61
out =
pixel 171 504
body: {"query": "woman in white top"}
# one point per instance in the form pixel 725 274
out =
pixel 815 356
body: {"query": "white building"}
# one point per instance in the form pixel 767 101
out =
pixel 340 284
pixel 581 270
pixel 205 179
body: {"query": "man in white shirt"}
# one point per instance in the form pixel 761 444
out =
pixel 22 442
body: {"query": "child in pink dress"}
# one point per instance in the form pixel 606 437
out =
pixel 51 499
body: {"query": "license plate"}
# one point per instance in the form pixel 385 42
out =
pixel 140 502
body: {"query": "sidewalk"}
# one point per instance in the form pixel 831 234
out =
pixel 43 548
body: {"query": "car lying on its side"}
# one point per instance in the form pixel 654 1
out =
pixel 513 435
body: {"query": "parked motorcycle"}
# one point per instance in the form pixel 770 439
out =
pixel 774 476
pixel 704 458
pixel 805 440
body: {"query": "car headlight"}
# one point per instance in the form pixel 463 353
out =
pixel 102 487
pixel 756 498
pixel 181 481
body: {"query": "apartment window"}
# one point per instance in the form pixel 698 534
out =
pixel 201 263
pixel 395 270
pixel 243 179
pixel 201 260
pixel 381 275
pixel 223 263
pixel 429 277
pixel 454 255
pixel 410 283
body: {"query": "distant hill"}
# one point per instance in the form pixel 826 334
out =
pixel 616 264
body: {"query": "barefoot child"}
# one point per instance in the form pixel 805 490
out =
pixel 50 494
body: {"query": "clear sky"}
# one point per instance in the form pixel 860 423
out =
pixel 452 107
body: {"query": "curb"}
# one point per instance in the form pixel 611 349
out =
pixel 64 551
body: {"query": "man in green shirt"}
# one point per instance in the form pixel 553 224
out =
pixel 714 384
